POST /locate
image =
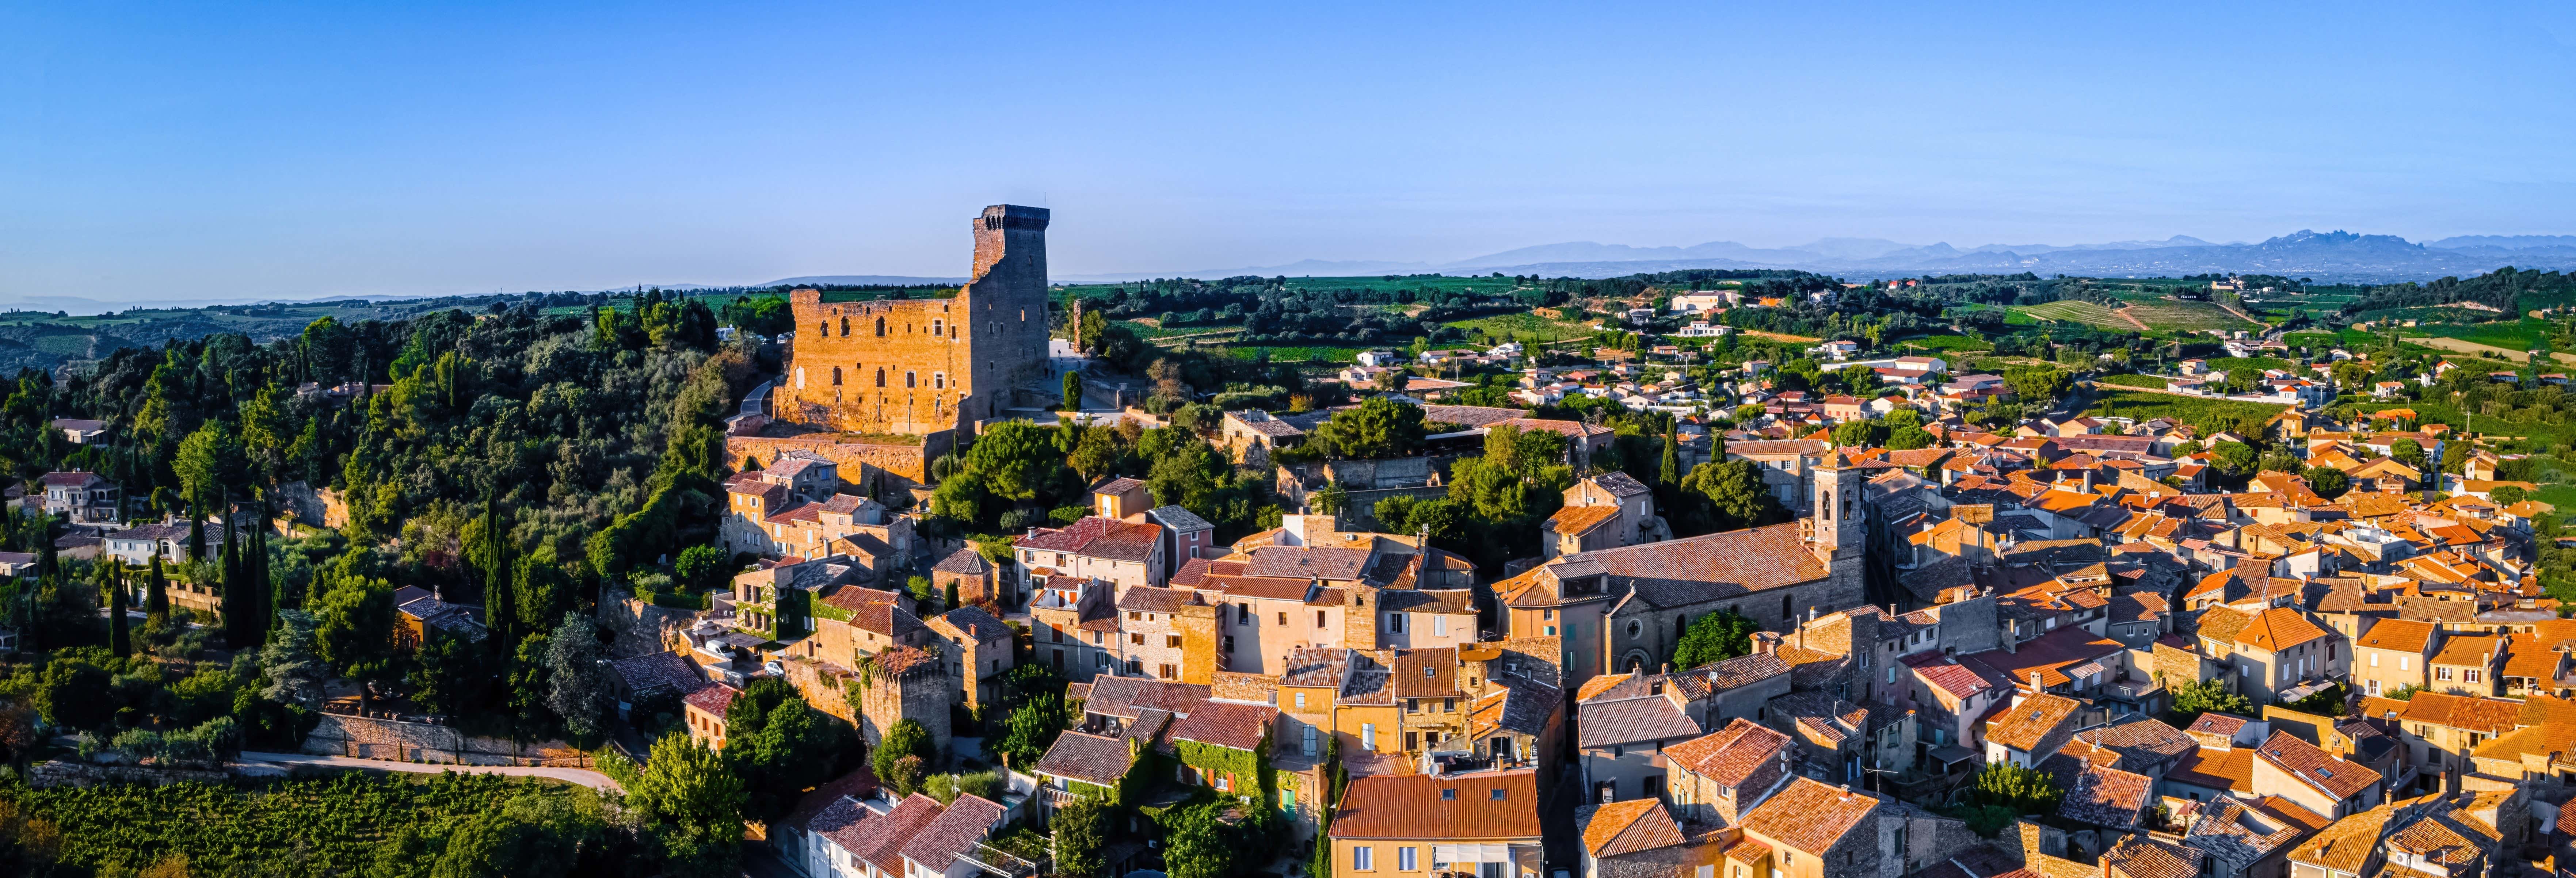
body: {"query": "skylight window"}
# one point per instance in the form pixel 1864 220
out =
pixel 1449 795
pixel 1498 794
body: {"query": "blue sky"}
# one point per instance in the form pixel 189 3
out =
pixel 298 150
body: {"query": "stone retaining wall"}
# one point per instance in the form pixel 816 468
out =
pixel 397 741
pixel 76 774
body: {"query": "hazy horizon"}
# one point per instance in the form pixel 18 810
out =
pixel 289 152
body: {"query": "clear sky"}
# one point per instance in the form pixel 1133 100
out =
pixel 296 150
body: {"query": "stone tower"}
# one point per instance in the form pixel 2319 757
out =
pixel 1007 306
pixel 1838 530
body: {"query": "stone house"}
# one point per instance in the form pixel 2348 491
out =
pixel 1126 554
pixel 2032 730
pixel 977 578
pixel 979 653
pixel 2393 654
pixel 1166 634
pixel 1715 778
pixel 1624 722
pixel 2279 648
pixel 2467 665
pixel 2441 732
pixel 83 497
pixel 1074 622
pixel 2288 767
pixel 1421 826
pixel 704 711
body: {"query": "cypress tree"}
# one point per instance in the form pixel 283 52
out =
pixel 119 639
pixel 1672 474
pixel 156 597
pixel 257 569
pixel 238 604
pixel 196 530
pixel 500 609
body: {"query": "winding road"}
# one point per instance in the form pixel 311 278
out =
pixel 582 776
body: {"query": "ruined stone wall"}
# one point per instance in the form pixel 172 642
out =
pixel 397 741
pixel 1007 301
pixel 640 628
pixel 872 467
pixel 57 773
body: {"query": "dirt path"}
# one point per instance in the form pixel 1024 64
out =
pixel 2123 313
pixel 2470 347
pixel 2240 315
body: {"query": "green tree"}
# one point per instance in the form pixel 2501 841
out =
pixel 699 566
pixel 2327 481
pixel 156 596
pixel 2279 462
pixel 1019 461
pixel 1081 832
pixel 1072 391
pixel 2408 452
pixel 1030 729
pixel 689 804
pixel 578 688
pixel 120 641
pixel 906 738
pixel 777 744
pixel 2207 696
pixel 1669 475
pixel 1201 842
pixel 1379 428
pixel 1737 494
pixel 295 674
pixel 353 625
pixel 2041 385
pixel 2234 459
pixel 1714 637
pixel 2505 495
pixel 1857 433
pixel 2024 790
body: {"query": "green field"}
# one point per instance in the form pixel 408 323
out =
pixel 2512 335
pixel 2075 311
pixel 1150 332
pixel 2153 382
pixel 2185 316
pixel 1524 324
pixel 1947 343
pixel 2205 414
pixel 1295 353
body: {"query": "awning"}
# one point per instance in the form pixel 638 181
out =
pixel 1951 754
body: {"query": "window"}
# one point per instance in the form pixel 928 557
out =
pixel 938 327
pixel 1551 631
pixel 1448 705
pixel 1135 666
pixel 1319 619
pixel 880 376
pixel 1301 705
pixel 1404 859
pixel 1547 614
pixel 1368 736
pixel 2441 673
pixel 1136 639
pixel 1310 730
pixel 1283 618
pixel 2374 660
pixel 1361 858
pixel 1243 614
pixel 1229 643
pixel 1497 795
pixel 1635 628
pixel 938 380
pixel 1707 872
pixel 1439 626
pixel 1172 641
pixel 880 326
pixel 836 376
pixel 2403 661
pixel 911 379
pixel 2472 675
pixel 1169 672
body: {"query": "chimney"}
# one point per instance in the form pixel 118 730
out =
pixel 1766 643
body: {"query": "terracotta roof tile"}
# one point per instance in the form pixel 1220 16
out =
pixel 1809 816
pixel 1492 805
pixel 1626 827
pixel 1729 755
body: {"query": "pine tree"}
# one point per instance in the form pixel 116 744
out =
pixel 156 597
pixel 119 639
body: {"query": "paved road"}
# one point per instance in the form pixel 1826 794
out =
pixel 582 776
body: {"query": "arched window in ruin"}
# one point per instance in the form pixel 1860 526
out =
pixel 880 327
pixel 836 376
pixel 880 376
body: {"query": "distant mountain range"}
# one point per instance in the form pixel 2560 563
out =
pixel 2324 256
